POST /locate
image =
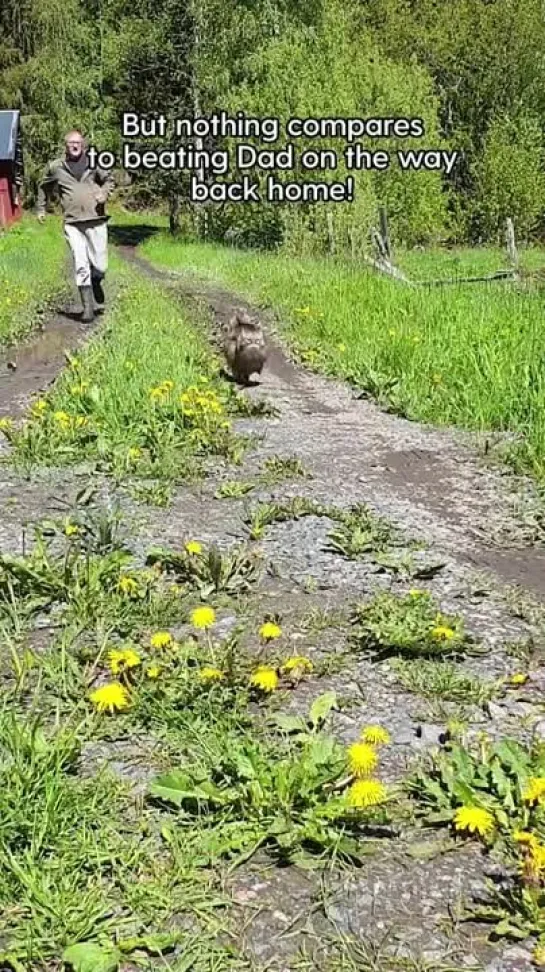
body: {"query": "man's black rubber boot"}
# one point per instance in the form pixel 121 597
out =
pixel 98 294
pixel 75 309
pixel 87 301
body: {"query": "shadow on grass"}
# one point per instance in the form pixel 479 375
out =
pixel 131 235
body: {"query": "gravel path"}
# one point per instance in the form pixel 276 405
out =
pixel 433 485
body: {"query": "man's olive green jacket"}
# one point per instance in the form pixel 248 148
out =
pixel 78 198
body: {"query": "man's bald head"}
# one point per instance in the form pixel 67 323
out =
pixel 74 143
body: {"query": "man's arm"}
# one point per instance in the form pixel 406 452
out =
pixel 48 181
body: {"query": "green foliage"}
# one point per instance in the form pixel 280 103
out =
pixel 408 625
pixel 281 794
pixel 442 680
pixel 507 781
pixel 83 65
pixel 361 532
pixel 212 571
pixel 509 176
pixel 24 294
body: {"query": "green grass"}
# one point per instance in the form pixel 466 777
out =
pixel 82 860
pixel 442 680
pixel 31 274
pixel 469 355
pixel 111 405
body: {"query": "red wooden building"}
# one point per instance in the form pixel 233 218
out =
pixel 11 167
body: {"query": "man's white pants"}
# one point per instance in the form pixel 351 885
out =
pixel 89 245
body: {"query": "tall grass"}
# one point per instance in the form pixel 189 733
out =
pixel 32 274
pixel 470 356
pixel 119 403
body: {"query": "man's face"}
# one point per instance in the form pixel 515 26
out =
pixel 74 145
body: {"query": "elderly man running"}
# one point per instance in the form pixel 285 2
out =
pixel 83 194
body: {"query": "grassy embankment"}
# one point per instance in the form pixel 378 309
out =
pixel 32 275
pixel 470 356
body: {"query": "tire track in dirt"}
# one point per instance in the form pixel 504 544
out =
pixel 33 365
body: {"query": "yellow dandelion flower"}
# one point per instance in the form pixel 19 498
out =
pixel 269 631
pixel 153 671
pixel 81 421
pixel 518 678
pixel 538 956
pixel 71 530
pixel 302 310
pixel 209 674
pixel 524 837
pixel 415 592
pixel 443 633
pixel 161 639
pixel 367 793
pixel 79 389
pixel 121 659
pixel 362 759
pixel 535 791
pixel 265 678
pixel 193 547
pixel 203 617
pixel 474 819
pixel 61 417
pixel 128 585
pixel 5 424
pixel 537 856
pixel 341 347
pixel 110 697
pixel 297 663
pixel 40 407
pixel 134 453
pixel 168 385
pixel 375 735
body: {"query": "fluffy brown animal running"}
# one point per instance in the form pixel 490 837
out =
pixel 244 346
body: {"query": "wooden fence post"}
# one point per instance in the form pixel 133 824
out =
pixel 385 233
pixel 512 251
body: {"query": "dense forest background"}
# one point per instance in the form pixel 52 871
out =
pixel 474 70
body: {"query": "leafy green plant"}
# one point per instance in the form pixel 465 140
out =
pixel 233 489
pixel 496 791
pixel 154 494
pixel 265 514
pixel 442 680
pixel 408 625
pixel 361 532
pixel 279 794
pixel 276 469
pixel 211 571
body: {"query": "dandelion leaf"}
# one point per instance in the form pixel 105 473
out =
pixel 90 957
pixel 287 723
pixel 321 707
